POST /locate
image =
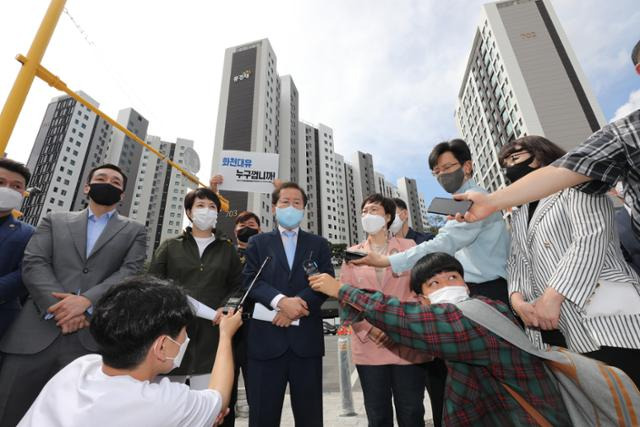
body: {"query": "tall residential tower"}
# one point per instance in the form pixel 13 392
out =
pixel 522 78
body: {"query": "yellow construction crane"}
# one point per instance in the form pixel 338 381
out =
pixel 32 68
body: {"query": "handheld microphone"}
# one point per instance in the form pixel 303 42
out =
pixel 253 282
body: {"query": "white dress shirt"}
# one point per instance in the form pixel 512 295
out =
pixel 81 394
pixel 281 229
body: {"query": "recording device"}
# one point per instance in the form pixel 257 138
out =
pixel 253 282
pixel 443 206
pixel 354 255
pixel 310 267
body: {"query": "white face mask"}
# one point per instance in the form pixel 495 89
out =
pixel 177 360
pixel 371 224
pixel 449 294
pixel 10 199
pixel 396 225
pixel 204 218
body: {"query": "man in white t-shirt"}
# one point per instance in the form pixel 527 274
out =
pixel 139 326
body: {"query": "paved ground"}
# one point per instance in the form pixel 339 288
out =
pixel 332 400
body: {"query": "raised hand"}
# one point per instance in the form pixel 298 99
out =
pixel 230 322
pixel 479 210
pixel 326 284
pixel 373 260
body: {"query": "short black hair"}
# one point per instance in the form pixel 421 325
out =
pixel 17 167
pixel 635 54
pixel 246 216
pixel 131 315
pixel 108 166
pixel 201 193
pixel 543 150
pixel 275 196
pixel 400 203
pixel 457 147
pixel 430 265
pixel 388 205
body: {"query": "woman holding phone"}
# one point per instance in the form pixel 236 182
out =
pixel 568 280
pixel 386 371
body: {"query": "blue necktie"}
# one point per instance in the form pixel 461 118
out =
pixel 290 246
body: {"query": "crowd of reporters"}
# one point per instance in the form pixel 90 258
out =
pixel 83 337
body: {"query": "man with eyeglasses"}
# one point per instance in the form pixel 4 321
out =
pixel 481 247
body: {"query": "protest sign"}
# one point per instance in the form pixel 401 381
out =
pixel 248 171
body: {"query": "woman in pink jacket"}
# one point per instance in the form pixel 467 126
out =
pixel 386 370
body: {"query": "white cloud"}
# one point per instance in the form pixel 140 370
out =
pixel 632 104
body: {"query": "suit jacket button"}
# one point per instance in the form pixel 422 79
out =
pixel 547 244
pixel 85 270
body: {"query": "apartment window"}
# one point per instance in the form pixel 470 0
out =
pixel 66 182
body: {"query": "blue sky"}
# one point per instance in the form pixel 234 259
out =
pixel 383 74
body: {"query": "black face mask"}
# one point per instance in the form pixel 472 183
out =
pixel 104 194
pixel 516 172
pixel 245 233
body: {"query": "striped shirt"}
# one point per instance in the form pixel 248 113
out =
pixel 610 155
pixel 571 246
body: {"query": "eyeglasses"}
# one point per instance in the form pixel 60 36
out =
pixel 515 158
pixel 437 171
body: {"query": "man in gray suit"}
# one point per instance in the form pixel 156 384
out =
pixel 71 260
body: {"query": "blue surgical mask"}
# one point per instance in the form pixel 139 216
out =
pixel 289 217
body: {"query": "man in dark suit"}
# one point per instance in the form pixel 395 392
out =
pixel 288 348
pixel 14 236
pixel 71 260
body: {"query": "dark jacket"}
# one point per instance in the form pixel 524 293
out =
pixel 210 280
pixel 267 341
pixel 14 236
pixel 418 237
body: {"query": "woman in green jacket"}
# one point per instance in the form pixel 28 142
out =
pixel 209 270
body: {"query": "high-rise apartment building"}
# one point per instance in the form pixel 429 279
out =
pixel 522 78
pixel 408 189
pixel 309 174
pixel 58 156
pixel 96 153
pixel 333 225
pixel 249 118
pixel 383 186
pixel 353 205
pixel 165 212
pixel 259 112
pixel 128 155
pixel 424 215
pixel 288 147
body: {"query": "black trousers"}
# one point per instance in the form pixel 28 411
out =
pixel 626 359
pixel 22 376
pixel 404 384
pixel 269 380
pixel 493 289
pixel 437 370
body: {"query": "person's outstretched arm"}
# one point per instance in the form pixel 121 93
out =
pixel 222 373
pixel 534 186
